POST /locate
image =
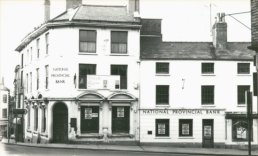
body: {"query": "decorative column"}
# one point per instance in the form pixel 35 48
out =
pixel 78 118
pixel 109 117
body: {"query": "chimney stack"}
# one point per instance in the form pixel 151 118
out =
pixel 72 3
pixel 219 32
pixel 47 10
pixel 133 6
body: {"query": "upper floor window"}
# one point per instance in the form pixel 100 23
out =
pixel 84 70
pixel 207 95
pixel 31 54
pixel 22 60
pixel 119 42
pixel 46 73
pixel 38 48
pixel 4 98
pixel 47 42
pixel 30 81
pixel 241 93
pixel 162 127
pixel 243 68
pixel 21 78
pixel 4 113
pixel 37 71
pixel 207 68
pixel 87 41
pixel 162 94
pixel 27 83
pixel 122 71
pixel 162 68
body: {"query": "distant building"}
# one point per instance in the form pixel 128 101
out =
pixel 4 101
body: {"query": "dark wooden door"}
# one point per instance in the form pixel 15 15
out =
pixel 120 119
pixel 90 119
pixel 60 123
pixel 207 133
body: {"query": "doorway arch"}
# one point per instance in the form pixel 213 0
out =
pixel 60 123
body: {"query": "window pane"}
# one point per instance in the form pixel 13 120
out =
pixel 207 67
pixel 87 35
pixel 243 68
pixel 118 42
pixel 84 70
pixel 185 127
pixel 207 94
pixel 162 127
pixel 241 93
pixel 162 95
pixel 162 68
pixel 88 47
pixel 122 71
pixel 240 130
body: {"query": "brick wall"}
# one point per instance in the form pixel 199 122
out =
pixel 254 25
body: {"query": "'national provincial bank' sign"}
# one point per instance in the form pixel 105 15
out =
pixel 182 111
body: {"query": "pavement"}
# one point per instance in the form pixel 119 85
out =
pixel 146 149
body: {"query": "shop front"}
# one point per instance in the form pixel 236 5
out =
pixel 183 127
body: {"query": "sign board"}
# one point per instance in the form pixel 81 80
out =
pixel 60 75
pixel 183 111
pixel 19 111
pixel 103 82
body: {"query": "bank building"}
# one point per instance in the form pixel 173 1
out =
pixel 101 73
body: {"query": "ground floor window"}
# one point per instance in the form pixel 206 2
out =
pixel 240 130
pixel 162 127
pixel 185 127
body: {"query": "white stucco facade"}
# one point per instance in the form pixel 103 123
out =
pixel 185 79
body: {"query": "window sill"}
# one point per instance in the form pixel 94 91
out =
pixel 167 105
pixel 118 54
pixel 247 74
pixel 85 53
pixel 241 105
pixel 162 74
pixel 162 137
pixel 208 105
pixel 28 130
pixel 185 137
pixel 211 74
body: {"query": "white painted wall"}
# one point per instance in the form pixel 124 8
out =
pixel 64 52
pixel 225 79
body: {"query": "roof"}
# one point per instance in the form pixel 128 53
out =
pixel 3 88
pixel 88 16
pixel 195 51
pixel 98 13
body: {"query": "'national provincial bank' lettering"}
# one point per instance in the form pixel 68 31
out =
pixel 181 111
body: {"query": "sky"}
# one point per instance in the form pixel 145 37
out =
pixel 182 20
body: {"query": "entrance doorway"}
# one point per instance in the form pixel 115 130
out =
pixel 90 119
pixel 60 123
pixel 120 119
pixel 207 133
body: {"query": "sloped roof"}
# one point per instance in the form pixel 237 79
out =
pixel 195 51
pixel 98 13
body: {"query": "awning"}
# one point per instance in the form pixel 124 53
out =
pixel 18 121
pixel 239 116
